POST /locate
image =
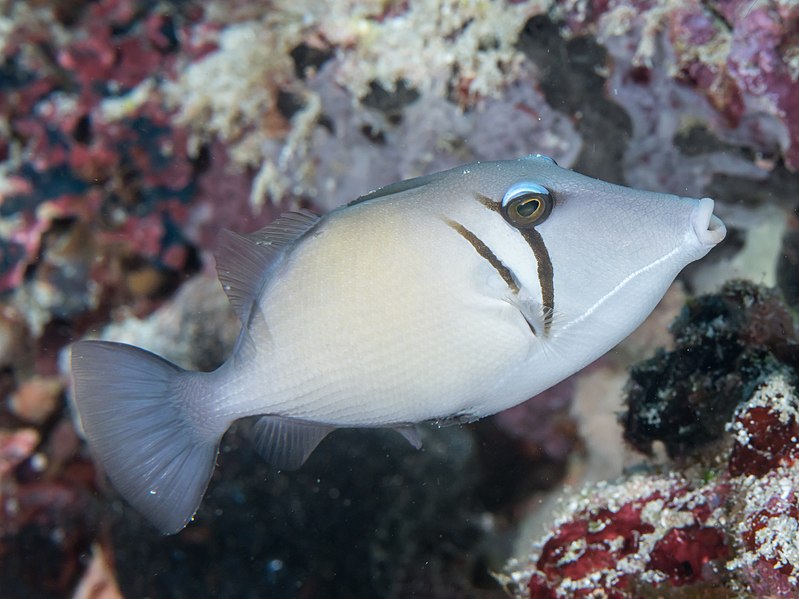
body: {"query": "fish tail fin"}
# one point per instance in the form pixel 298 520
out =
pixel 144 422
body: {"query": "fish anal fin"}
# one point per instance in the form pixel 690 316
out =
pixel 411 434
pixel 286 443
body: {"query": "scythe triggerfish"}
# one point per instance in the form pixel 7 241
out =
pixel 439 299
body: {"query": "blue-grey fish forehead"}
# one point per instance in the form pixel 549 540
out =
pixel 538 163
pixel 540 157
pixel 544 171
pixel 540 170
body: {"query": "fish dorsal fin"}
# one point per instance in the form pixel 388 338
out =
pixel 243 262
pixel 286 443
pixel 399 187
pixel 285 229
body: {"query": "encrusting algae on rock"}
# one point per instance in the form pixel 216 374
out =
pixel 721 519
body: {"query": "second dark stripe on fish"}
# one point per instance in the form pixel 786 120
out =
pixel 546 273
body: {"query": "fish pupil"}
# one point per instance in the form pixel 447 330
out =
pixel 527 208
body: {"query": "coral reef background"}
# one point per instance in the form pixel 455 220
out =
pixel 132 132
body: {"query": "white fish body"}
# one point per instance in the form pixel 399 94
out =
pixel 424 301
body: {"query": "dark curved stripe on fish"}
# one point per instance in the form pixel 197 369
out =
pixel 487 254
pixel 487 202
pixel 546 273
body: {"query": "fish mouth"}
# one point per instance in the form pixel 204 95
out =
pixel 707 226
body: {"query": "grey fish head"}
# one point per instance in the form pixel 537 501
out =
pixel 666 219
pixel 585 210
pixel 615 250
pixel 600 250
pixel 597 263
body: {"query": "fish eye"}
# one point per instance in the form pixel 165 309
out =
pixel 526 205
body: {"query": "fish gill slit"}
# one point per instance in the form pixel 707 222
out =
pixel 532 327
pixel 546 274
pixel 486 253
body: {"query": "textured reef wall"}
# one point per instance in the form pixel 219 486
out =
pixel 131 132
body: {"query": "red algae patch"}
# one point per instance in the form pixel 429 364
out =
pixel 734 528
pixel 652 530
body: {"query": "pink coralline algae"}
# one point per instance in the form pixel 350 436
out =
pixel 92 143
pixel 766 524
pixel 724 67
pixel 741 56
pixel 684 552
pixel 106 201
pixel 770 440
pixel 725 519
pixel 650 532
pixel 102 206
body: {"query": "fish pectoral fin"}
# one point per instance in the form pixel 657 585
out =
pixel 243 261
pixel 287 443
pixel 532 314
pixel 411 434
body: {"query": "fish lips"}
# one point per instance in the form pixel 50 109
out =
pixel 706 226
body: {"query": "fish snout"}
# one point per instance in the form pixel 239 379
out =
pixel 707 226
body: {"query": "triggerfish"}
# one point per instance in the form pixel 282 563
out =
pixel 439 299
